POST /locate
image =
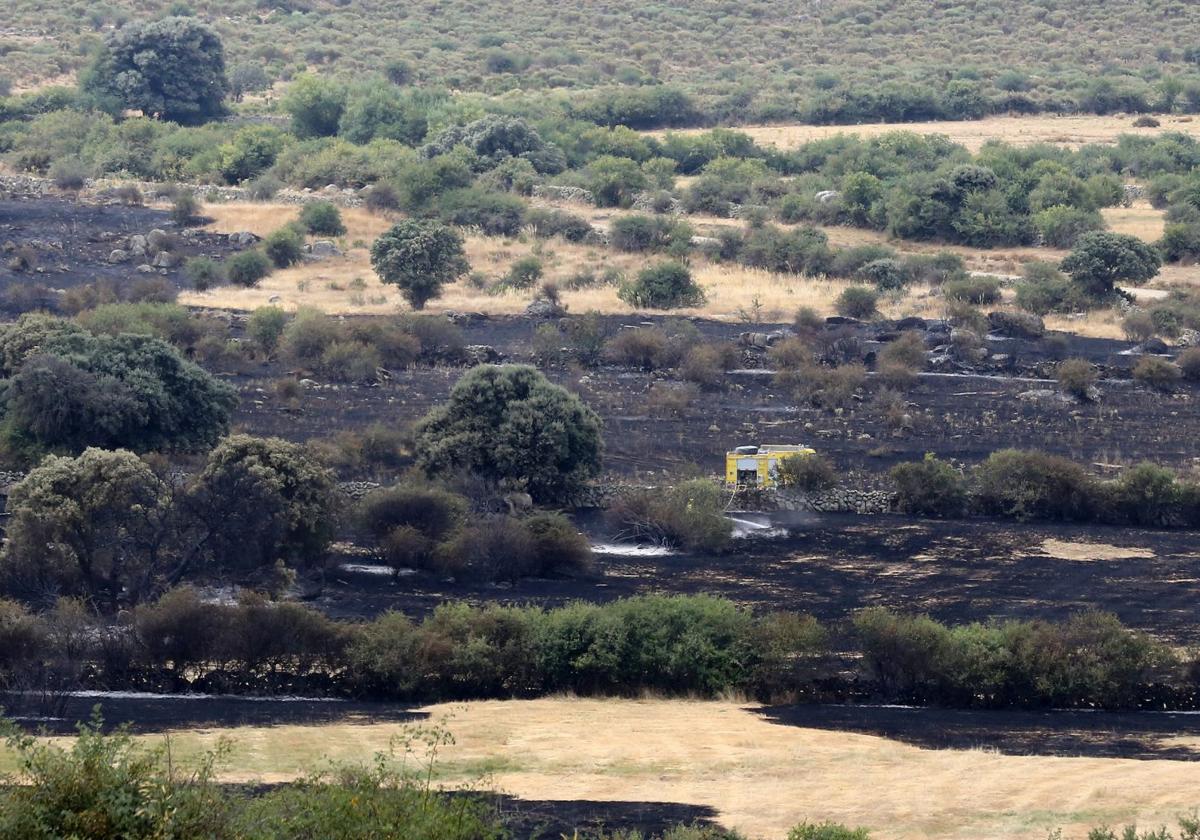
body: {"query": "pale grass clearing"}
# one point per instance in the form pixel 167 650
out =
pixel 1139 219
pixel 1072 131
pixel 761 778
pixel 1090 551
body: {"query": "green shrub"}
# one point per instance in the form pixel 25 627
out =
pixel 930 487
pixel 1029 485
pixel 690 515
pixel 705 364
pixel 1157 373
pixel 1044 289
pixel 203 273
pixel 974 290
pixel 1138 326
pixel 667 285
pixel 265 327
pixel 494 214
pixel 184 209
pixel 810 473
pixel 858 302
pixel 350 361
pixel 247 268
pixel 908 350
pixel 1061 227
pixel 886 275
pixel 284 247
pixel 644 348
pixel 322 218
pixel 524 273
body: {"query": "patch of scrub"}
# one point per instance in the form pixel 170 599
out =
pixel 1089 551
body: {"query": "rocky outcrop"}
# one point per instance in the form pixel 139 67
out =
pixel 552 192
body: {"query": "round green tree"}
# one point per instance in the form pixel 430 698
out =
pixel 511 425
pixel 419 256
pixel 1101 260
pixel 172 68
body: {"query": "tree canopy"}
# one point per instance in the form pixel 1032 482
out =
pixel 172 68
pixel 511 425
pixel 419 256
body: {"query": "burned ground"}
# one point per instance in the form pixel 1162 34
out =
pixel 831 565
pixel 962 415
pixel 65 243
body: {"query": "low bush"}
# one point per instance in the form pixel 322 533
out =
pixel 930 487
pixel 667 285
pixel 907 350
pixel 247 268
pixel 1033 485
pixel 858 302
pixel 827 831
pixel 886 275
pixel 1189 364
pixel 1138 326
pixel 322 218
pixel 705 364
pixel 690 515
pixel 203 273
pixel 810 473
pixel 1076 377
pixel 974 290
pixel 1089 660
pixel 547 223
pixel 1157 373
pixel 284 247
pixel 646 348
pixel 668 400
pixel 524 273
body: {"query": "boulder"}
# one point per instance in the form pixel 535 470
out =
pixel 165 259
pixel 911 323
pixel 1152 347
pixel 1016 324
pixel 323 248
pixel 826 196
pixel 482 354
pixel 118 256
pixel 542 308
pixel 138 244
pixel 1189 338
pixel 158 240
pixel 145 269
pixel 244 239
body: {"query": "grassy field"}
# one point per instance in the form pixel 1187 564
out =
pixel 347 284
pixel 1072 131
pixel 761 777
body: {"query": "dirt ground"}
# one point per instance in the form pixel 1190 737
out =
pixel 905 774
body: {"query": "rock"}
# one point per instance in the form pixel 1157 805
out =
pixel 158 240
pixel 542 308
pixel 1016 324
pixel 165 259
pixel 1189 338
pixel 273 299
pixel 323 248
pixel 482 354
pixel 518 503
pixel 118 256
pixel 826 196
pixel 308 383
pixel 145 269
pixel 244 239
pixel 138 244
pixel 757 340
pixel 557 193
pixel 842 321
pixel 706 243
pixel 1044 395
pixel 464 317
pixel 1152 347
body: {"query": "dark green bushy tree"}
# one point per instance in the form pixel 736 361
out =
pixel 511 424
pixel 130 391
pixel 419 256
pixel 1101 260
pixel 172 68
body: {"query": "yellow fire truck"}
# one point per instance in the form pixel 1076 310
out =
pixel 758 466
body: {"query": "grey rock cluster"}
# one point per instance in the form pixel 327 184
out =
pixel 552 192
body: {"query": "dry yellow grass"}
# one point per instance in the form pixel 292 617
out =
pixel 761 777
pixel 348 285
pixel 1073 131
pixel 1140 220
